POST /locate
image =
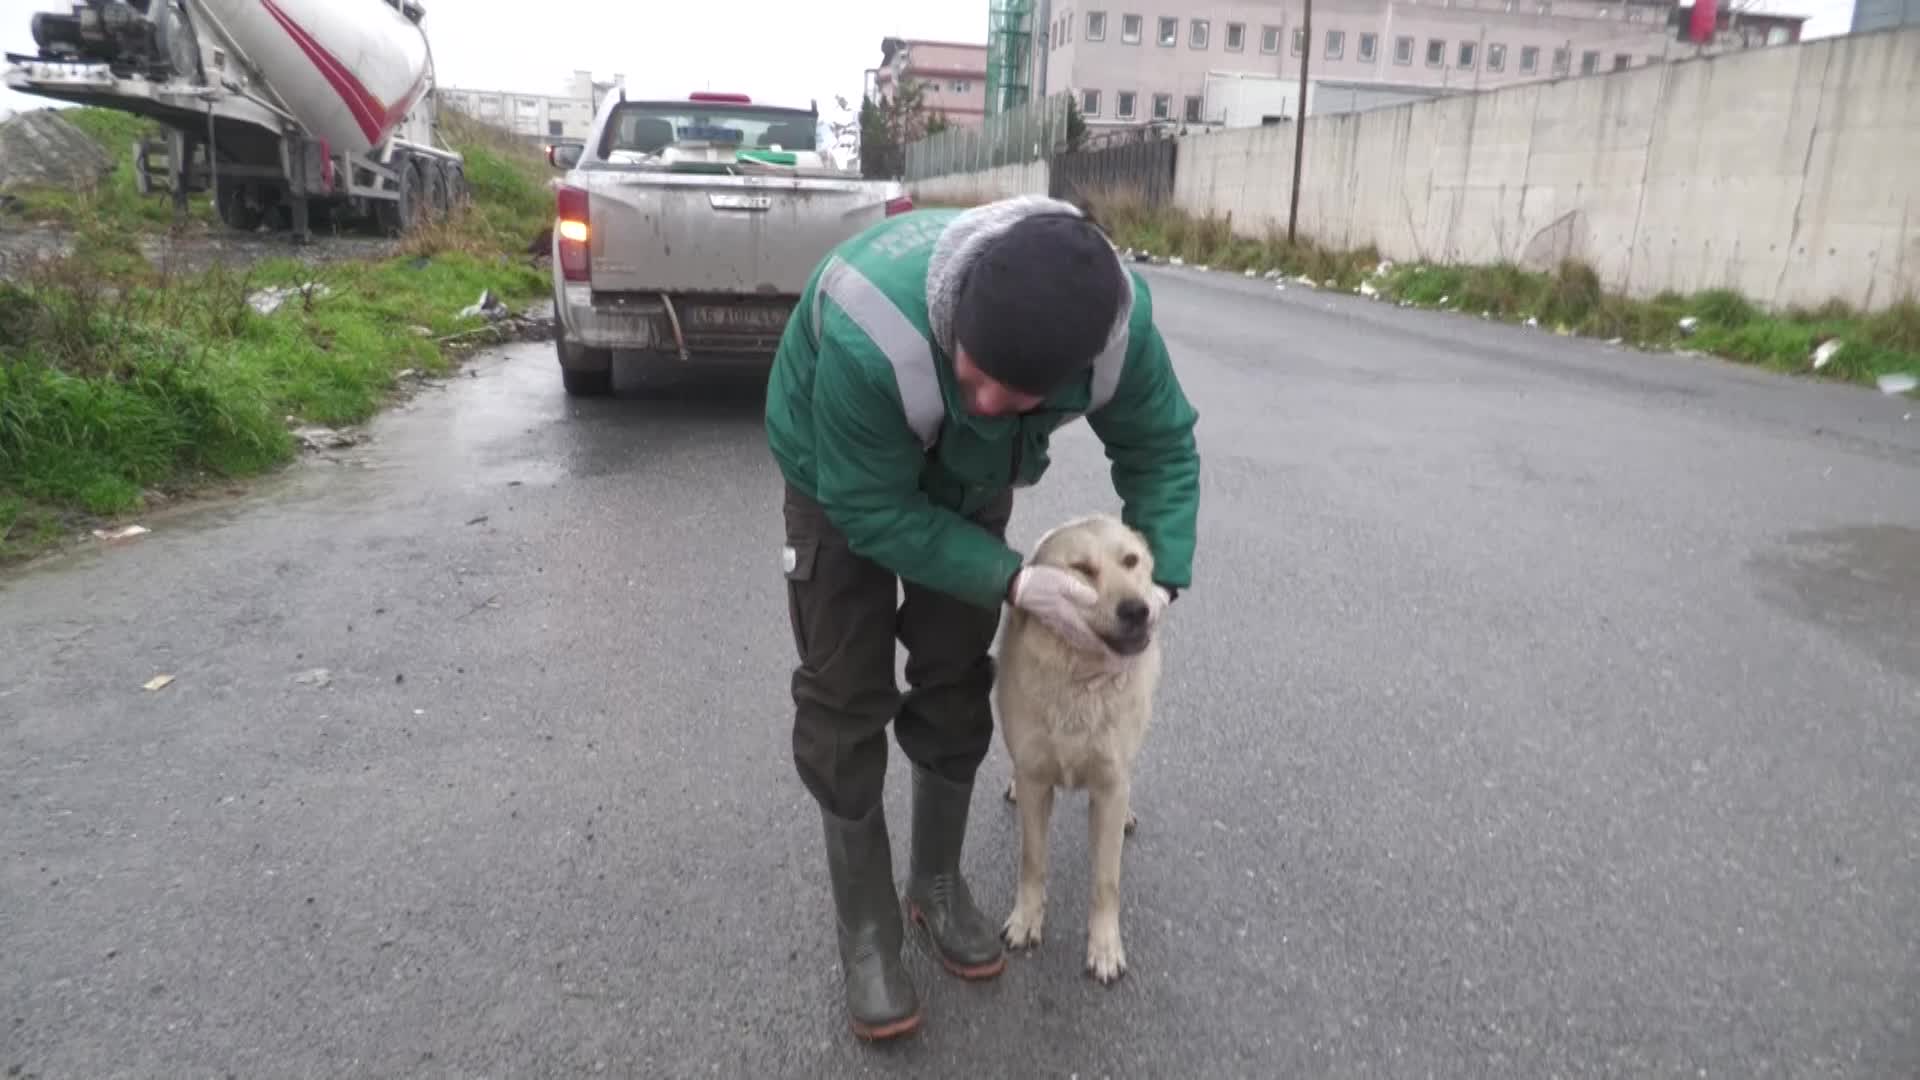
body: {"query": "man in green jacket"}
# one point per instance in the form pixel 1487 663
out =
pixel 917 384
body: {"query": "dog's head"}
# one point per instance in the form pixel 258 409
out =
pixel 1114 559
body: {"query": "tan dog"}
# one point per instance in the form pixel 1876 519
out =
pixel 1071 720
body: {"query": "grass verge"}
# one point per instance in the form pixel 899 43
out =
pixel 120 380
pixel 114 199
pixel 1570 300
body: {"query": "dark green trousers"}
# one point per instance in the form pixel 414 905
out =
pixel 847 613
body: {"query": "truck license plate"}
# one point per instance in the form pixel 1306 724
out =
pixel 740 202
pixel 729 317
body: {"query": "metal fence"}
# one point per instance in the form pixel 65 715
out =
pixel 1143 167
pixel 1030 132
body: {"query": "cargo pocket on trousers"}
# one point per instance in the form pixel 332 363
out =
pixel 797 559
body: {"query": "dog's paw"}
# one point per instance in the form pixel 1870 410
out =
pixel 1022 928
pixel 1132 824
pixel 1106 958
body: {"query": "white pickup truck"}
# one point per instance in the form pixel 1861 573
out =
pixel 685 231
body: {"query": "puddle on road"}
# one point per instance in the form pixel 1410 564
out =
pixel 1861 582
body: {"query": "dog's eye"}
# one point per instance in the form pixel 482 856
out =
pixel 1130 561
pixel 1088 569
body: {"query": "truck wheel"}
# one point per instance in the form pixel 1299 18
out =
pixel 439 188
pixel 397 216
pixel 236 210
pixel 457 191
pixel 579 383
pixel 584 372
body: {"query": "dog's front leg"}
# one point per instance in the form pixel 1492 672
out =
pixel 1133 820
pixel 1106 822
pixel 1022 930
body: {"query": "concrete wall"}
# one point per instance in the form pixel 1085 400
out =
pixel 1785 173
pixel 979 187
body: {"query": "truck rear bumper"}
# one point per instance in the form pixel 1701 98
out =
pixel 696 326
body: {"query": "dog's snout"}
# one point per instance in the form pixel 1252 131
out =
pixel 1133 612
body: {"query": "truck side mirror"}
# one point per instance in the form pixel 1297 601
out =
pixel 564 155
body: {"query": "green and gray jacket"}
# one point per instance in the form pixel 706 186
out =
pixel 864 416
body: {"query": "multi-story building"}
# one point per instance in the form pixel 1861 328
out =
pixel 540 118
pixel 952 77
pixel 1128 63
pixel 1884 14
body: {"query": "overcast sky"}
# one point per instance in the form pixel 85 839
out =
pixel 773 49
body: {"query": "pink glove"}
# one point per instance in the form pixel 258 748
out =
pixel 1059 599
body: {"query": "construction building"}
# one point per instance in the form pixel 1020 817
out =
pixel 1178 63
pixel 952 77
pixel 540 118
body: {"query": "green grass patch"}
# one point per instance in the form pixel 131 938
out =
pixel 117 379
pixel 110 388
pixel 1569 300
pixel 115 200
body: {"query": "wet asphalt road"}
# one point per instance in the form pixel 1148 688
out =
pixel 1540 709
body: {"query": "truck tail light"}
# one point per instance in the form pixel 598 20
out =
pixel 573 229
pixel 901 205
pixel 729 99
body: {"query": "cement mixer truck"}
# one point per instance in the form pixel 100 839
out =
pixel 291 112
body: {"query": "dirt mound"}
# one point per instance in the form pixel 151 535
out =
pixel 40 149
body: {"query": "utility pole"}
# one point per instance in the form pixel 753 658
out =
pixel 1300 119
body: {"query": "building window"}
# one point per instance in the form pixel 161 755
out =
pixel 1336 44
pixel 1299 40
pixel 1124 104
pixel 962 86
pixel 1562 61
pixel 1436 53
pixel 1622 61
pixel 1163 106
pixel 1169 32
pixel 1193 108
pixel 1090 102
pixel 1197 34
pixel 1776 35
pixel 1466 56
pixel 1403 50
pixel 1496 57
pixel 1096 26
pixel 1130 26
pixel 556 129
pixel 1270 40
pixel 1651 59
pixel 1529 59
pixel 1369 47
pixel 1236 37
pixel 1589 61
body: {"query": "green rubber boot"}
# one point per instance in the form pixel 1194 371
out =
pixel 966 941
pixel 881 1003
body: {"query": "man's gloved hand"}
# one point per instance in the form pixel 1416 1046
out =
pixel 1060 600
pixel 1157 601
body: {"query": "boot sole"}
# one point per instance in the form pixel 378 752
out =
pixel 969 972
pixel 893 1029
